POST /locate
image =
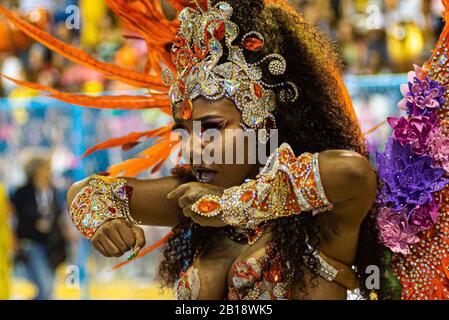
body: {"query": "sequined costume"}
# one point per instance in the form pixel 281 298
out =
pixel 250 283
pixel 413 194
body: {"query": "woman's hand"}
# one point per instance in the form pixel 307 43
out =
pixel 187 194
pixel 115 237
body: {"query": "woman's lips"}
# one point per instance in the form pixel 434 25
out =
pixel 204 175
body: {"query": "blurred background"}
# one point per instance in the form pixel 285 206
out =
pixel 41 140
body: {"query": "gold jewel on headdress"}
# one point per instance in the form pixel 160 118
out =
pixel 197 54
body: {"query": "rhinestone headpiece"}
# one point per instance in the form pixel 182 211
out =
pixel 205 35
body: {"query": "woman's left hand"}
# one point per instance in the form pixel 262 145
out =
pixel 187 194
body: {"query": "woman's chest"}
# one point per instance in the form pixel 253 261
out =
pixel 226 270
pixel 223 267
pixel 213 266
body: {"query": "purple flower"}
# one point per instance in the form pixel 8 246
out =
pixel 407 180
pixel 439 149
pixel 414 131
pixel 422 96
pixel 395 231
pixel 425 216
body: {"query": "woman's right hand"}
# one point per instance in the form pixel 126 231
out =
pixel 114 238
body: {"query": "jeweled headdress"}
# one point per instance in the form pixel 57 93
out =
pixel 205 37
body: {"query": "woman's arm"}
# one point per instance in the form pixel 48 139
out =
pixel 339 181
pixel 149 204
pixel 350 184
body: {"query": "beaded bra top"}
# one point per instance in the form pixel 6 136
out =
pixel 250 283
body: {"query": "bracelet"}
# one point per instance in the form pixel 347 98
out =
pixel 101 200
pixel 288 185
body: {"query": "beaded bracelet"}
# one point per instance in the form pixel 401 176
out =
pixel 287 185
pixel 101 200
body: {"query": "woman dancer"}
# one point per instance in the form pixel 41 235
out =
pixel 302 228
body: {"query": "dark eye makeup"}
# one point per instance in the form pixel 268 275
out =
pixel 215 123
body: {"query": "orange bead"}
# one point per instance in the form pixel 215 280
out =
pixel 219 32
pixel 207 206
pixel 258 90
pixel 246 196
pixel 187 110
pixel 253 44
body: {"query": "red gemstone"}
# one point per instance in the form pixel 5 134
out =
pixel 207 206
pixel 258 90
pixel 246 196
pixel 219 32
pixel 112 210
pixel 187 109
pixel 253 44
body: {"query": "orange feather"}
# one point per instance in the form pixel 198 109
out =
pixel 111 71
pixel 128 139
pixel 179 4
pixel 125 102
pixel 153 157
pixel 147 19
pixel 116 142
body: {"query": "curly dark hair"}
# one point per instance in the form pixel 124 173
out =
pixel 319 120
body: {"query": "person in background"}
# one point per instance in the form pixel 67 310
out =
pixel 5 247
pixel 40 238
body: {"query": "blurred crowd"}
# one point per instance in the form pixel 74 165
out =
pixel 378 36
pixel 374 37
pixel 84 24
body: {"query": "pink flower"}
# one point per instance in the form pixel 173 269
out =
pixel 418 73
pixel 425 216
pixel 395 231
pixel 439 149
pixel 414 131
pixel 422 96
